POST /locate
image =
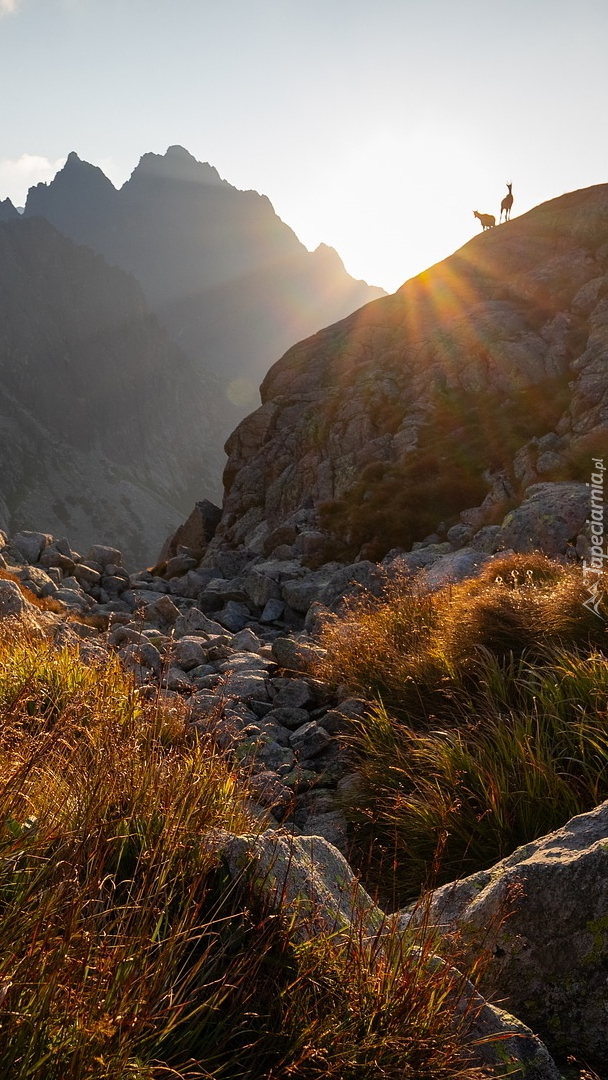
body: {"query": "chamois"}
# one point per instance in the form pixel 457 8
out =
pixel 488 221
pixel 506 204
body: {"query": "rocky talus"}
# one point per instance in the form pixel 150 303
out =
pixel 441 405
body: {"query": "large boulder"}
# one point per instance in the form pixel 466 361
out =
pixel 550 518
pixel 543 912
pixel 195 532
pixel 318 893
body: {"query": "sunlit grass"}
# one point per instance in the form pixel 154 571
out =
pixel 126 950
pixel 492 720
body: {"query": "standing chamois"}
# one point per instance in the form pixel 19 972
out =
pixel 506 204
pixel 488 221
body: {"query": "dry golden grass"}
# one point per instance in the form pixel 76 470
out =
pixel 127 952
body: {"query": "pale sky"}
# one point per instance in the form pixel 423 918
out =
pixel 376 127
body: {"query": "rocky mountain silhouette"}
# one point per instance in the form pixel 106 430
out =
pixel 106 427
pixel 8 212
pixel 442 405
pixel 228 279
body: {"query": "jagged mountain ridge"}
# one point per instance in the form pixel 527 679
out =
pixel 106 428
pixel 476 379
pixel 229 280
pixel 8 212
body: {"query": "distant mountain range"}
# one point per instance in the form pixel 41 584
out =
pixel 106 428
pixel 117 394
pixel 228 279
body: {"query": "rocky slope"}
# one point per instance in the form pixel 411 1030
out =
pixel 229 280
pixel 105 427
pixel 479 378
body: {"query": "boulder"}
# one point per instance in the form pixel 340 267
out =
pixel 543 913
pixel 195 533
pixel 295 655
pixel 105 555
pixel 453 567
pixel 31 544
pixel 162 612
pixel 316 890
pixel 12 602
pixel 309 740
pixel 550 517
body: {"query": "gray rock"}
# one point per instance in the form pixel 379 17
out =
pixel 543 912
pixel 454 567
pixel 550 516
pixel 132 661
pixel 350 580
pixel 260 588
pixel 176 679
pixel 314 887
pixel 486 539
pixel 51 557
pixel 105 555
pixel 331 825
pixel 124 635
pixel 309 740
pixel 262 750
pixel 31 544
pixel 270 728
pixel 12 602
pixel 273 611
pixel 247 684
pixel 74 598
pixel 234 616
pixel 243 661
pixel 192 584
pixel 459 535
pixel 196 531
pixel 179 565
pixel 308 877
pixel 295 655
pixel 246 641
pixel 302 592
pixel 269 791
pixel 188 653
pixel 86 576
pixel 288 717
pixel 113 586
pixel 194 620
pixel 294 693
pixel 161 611
pixel 284 535
pixel 223 591
pixel 36 580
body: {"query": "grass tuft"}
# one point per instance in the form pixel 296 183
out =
pixel 491 726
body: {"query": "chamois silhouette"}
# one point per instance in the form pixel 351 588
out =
pixel 488 221
pixel 507 203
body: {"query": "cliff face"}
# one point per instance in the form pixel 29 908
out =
pixel 104 424
pixel 230 281
pixel 483 375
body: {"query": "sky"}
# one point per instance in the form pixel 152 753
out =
pixel 375 127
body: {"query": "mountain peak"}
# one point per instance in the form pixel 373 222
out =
pixel 8 211
pixel 177 164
